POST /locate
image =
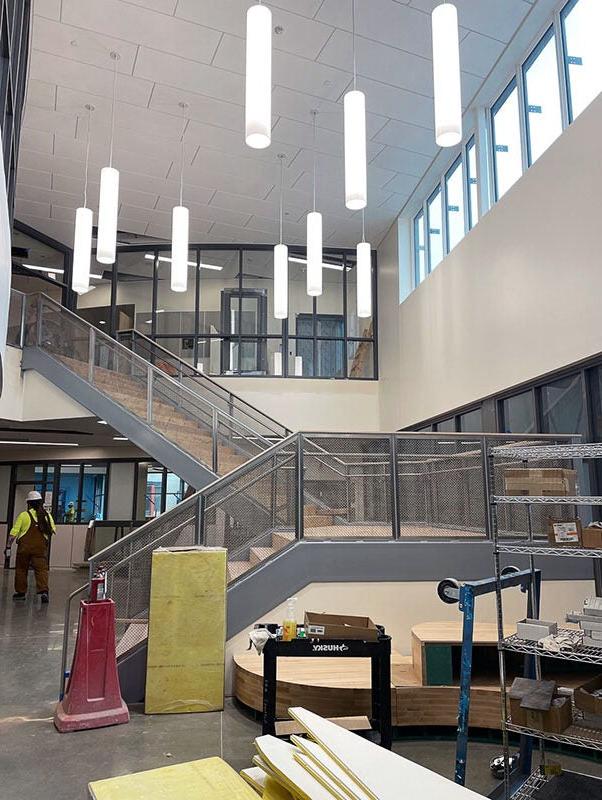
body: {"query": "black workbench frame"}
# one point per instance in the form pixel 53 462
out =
pixel 379 653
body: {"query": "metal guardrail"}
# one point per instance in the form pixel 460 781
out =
pixel 138 385
pixel 182 371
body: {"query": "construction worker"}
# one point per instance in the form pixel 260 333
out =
pixel 32 531
pixel 70 514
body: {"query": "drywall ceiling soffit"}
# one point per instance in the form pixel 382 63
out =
pixel 183 51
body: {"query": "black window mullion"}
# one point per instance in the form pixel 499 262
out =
pixel 197 308
pixel 345 332
pixel 80 492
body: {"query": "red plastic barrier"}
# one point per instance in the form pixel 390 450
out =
pixel 93 697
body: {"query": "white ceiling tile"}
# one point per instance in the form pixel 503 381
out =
pixel 132 226
pixel 399 160
pixel 42 119
pixel 232 233
pixel 379 61
pixel 233 143
pixel 89 79
pixel 300 35
pixel 299 105
pixel 25 208
pixel 329 168
pixel 397 103
pixel 204 213
pixel 63 213
pixel 385 21
pixel 495 19
pixel 271 228
pixel 40 94
pixel 40 141
pixel 51 9
pixel 142 26
pixel 61 231
pixel 81 45
pixel 479 53
pixel 201 108
pixel 402 184
pixel 470 86
pixel 164 6
pixel 33 177
pixel 250 185
pixel 151 161
pixel 301 135
pixel 288 70
pixel 266 208
pixel 212 161
pixel 410 137
pixel 189 75
pixel 66 184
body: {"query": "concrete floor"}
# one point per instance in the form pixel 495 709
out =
pixel 37 761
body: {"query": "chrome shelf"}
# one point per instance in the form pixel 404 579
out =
pixel 548 550
pixel 585 655
pixel 575 735
pixel 548 452
pixel 530 787
pixel 522 499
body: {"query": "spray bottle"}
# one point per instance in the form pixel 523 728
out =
pixel 289 626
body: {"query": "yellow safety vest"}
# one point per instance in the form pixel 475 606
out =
pixel 23 524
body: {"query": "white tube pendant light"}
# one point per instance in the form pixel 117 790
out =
pixel 363 265
pixel 446 75
pixel 108 203
pixel 281 262
pixel 354 105
pixel 82 239
pixel 314 237
pixel 179 238
pixel 258 86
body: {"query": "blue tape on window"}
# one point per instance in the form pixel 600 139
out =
pixel 502 148
pixel 577 60
pixel 534 109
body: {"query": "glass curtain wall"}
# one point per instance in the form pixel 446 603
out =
pixel 224 323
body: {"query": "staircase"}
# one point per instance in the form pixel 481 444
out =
pixel 179 425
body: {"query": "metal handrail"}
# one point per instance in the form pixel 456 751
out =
pixel 196 374
pixel 147 367
pixel 66 633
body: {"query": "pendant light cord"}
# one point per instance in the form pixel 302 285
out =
pixel 353 43
pixel 89 108
pixel 363 225
pixel 115 58
pixel 182 169
pixel 314 114
pixel 281 157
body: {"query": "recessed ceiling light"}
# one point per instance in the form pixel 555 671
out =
pixel 337 267
pixel 102 322
pixel 167 260
pixel 49 270
pixel 120 438
pixel 39 444
pixel 102 422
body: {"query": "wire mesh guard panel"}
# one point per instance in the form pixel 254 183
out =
pixel 516 520
pixel 347 487
pixel 254 507
pixel 57 334
pixel 441 487
pixel 128 565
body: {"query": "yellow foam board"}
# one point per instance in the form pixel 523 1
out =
pixel 275 791
pixel 255 777
pixel 187 630
pixel 209 778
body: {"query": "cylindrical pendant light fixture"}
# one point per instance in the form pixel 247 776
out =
pixel 446 75
pixel 281 262
pixel 354 105
pixel 278 363
pixel 179 238
pixel 356 191
pixel 108 203
pixel 258 86
pixel 363 264
pixel 82 239
pixel 314 237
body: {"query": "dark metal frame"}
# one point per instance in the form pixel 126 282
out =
pixel 69 297
pixel 379 653
pixel 284 336
pixel 470 145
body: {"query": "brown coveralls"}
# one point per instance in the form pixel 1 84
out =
pixel 32 548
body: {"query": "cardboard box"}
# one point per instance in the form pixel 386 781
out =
pixel 540 482
pixel 556 720
pixel 584 696
pixel 339 626
pixel 535 629
pixel 564 533
pixel 591 537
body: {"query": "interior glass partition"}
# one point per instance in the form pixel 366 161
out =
pixel 224 323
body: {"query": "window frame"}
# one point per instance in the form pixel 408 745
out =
pixel 458 162
pixel 419 219
pixel 440 190
pixel 510 88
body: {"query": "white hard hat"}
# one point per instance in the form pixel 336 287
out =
pixel 34 496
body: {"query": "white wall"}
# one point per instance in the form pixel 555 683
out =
pixel 29 396
pixel 518 297
pixel 388 322
pixel 313 405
